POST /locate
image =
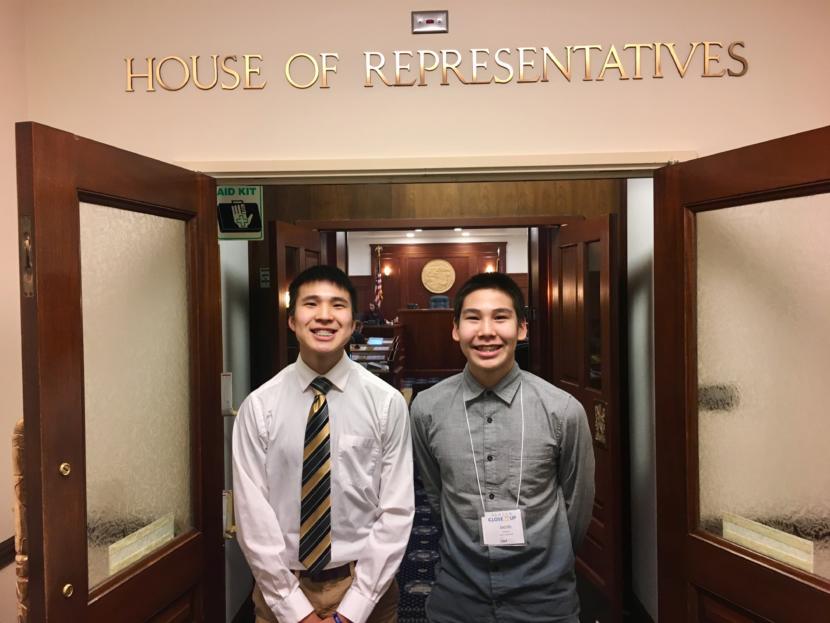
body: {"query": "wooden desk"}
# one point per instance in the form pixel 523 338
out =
pixel 430 349
pixel 386 360
pixel 381 330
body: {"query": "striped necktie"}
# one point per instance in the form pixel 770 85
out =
pixel 315 508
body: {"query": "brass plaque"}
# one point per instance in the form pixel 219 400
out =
pixel 438 276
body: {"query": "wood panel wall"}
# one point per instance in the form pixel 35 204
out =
pixel 365 284
pixel 444 200
pixel 428 345
pixel 403 286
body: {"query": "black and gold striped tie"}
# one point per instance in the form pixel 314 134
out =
pixel 315 509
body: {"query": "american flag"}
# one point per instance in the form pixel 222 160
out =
pixel 378 289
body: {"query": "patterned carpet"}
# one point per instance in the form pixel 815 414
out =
pixel 417 572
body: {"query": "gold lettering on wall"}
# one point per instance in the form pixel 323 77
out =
pixel 230 72
pixel 374 68
pixel 185 73
pixel 288 75
pixel 550 56
pixel 131 74
pixel 474 52
pixel 504 65
pixel 423 68
pixel 612 61
pixel 327 69
pixel 744 63
pixel 453 67
pixel 638 56
pixel 525 63
pixel 682 69
pixel 708 58
pixel 195 63
pixel 250 70
pixel 522 65
pixel 587 49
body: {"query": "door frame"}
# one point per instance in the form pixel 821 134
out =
pixel 333 247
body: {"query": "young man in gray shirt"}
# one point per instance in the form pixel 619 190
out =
pixel 507 462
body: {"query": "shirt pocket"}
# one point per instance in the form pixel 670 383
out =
pixel 357 461
pixel 537 470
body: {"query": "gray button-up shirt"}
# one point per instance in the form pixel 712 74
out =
pixel 533 582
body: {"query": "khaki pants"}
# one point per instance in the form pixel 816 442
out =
pixel 326 596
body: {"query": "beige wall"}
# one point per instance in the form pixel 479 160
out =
pixel 62 64
pixel 75 66
pixel 12 108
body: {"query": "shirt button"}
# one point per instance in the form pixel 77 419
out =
pixel 489 420
pixel 492 496
pixel 489 457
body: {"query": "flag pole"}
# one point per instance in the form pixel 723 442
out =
pixel 378 278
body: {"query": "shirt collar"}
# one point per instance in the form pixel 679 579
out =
pixel 505 389
pixel 338 375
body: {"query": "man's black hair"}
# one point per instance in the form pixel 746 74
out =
pixel 331 274
pixel 494 281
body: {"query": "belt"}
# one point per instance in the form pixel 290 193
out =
pixel 326 575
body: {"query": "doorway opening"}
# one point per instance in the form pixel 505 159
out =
pixel 354 213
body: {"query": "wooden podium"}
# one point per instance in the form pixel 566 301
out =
pixel 430 350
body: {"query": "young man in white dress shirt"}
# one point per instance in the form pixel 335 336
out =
pixel 360 528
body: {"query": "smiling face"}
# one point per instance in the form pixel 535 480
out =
pixel 488 330
pixel 323 323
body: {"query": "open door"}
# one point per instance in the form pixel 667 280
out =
pixel 120 312
pixel 285 252
pixel 742 293
pixel 585 343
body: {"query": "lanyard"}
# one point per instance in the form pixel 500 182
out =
pixel 521 455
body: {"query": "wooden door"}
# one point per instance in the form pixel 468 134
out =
pixel 285 251
pixel 103 229
pixel 585 349
pixel 741 272
pixel 296 248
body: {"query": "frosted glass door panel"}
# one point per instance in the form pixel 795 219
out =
pixel 763 323
pixel 136 385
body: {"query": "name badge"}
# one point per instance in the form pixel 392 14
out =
pixel 503 528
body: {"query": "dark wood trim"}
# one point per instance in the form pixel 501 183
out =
pixel 7 552
pixel 540 245
pixel 438 223
pixel 782 160
pixel 669 380
pixel 620 244
pixel 136 596
pixel 31 364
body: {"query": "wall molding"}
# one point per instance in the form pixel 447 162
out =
pixel 443 168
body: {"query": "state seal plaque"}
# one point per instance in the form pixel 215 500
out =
pixel 438 276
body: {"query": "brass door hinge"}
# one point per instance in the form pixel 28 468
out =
pixel 27 268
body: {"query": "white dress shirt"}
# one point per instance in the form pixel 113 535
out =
pixel 372 496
